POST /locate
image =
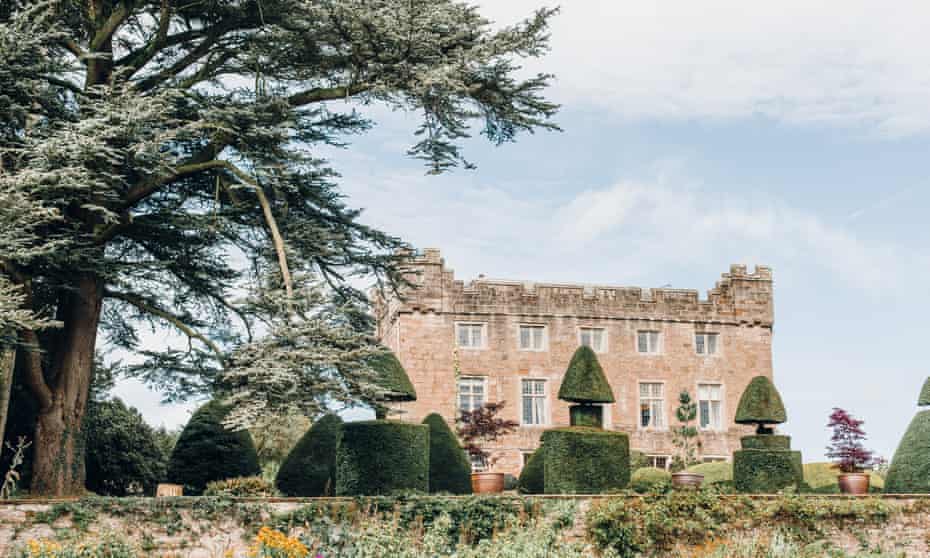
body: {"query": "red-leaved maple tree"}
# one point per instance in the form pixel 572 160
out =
pixel 482 426
pixel 846 449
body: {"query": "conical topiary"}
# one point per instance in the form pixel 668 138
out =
pixel 761 404
pixel 391 380
pixel 310 468
pixel 449 469
pixel 909 472
pixel 533 476
pixel 584 380
pixel 206 451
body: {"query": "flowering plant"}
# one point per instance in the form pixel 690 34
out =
pixel 481 426
pixel 846 448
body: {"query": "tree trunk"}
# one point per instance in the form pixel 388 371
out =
pixel 7 363
pixel 58 467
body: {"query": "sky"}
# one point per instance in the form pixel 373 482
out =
pixel 695 136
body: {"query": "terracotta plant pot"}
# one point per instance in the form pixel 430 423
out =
pixel 855 484
pixel 487 483
pixel 684 479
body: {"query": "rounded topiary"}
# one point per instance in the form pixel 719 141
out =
pixel 381 457
pixel 909 472
pixel 761 404
pixel 649 479
pixel 584 380
pixel 532 477
pixel 766 471
pixel 207 451
pixel 310 468
pixel 924 399
pixel 449 468
pixel 585 460
pixel 391 381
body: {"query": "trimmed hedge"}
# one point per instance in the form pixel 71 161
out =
pixel 585 460
pixel 649 479
pixel 532 477
pixel 766 442
pixel 924 399
pixel 391 378
pixel 206 451
pixel 761 404
pixel 380 457
pixel 766 471
pixel 910 468
pixel 584 380
pixel 449 468
pixel 310 468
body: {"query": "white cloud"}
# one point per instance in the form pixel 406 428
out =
pixel 856 64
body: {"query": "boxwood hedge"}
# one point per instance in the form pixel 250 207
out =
pixel 532 477
pixel 381 456
pixel 310 468
pixel 767 471
pixel 909 472
pixel 581 460
pixel 584 380
pixel 449 468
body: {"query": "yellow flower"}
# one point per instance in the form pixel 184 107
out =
pixel 272 543
pixel 38 548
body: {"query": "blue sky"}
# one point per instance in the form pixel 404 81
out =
pixel 696 137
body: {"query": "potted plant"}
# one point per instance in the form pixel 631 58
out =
pixel 476 429
pixel 848 454
pixel 687 442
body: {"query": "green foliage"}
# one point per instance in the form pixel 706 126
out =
pixel 275 436
pixel 924 399
pixel 824 478
pixel 638 460
pixel 533 476
pixel 761 404
pixel 310 468
pixel 584 380
pixel 241 487
pixel 391 380
pixel 767 471
pixel 910 467
pixel 766 442
pixel 586 415
pixel 123 454
pixel 100 545
pixel 381 457
pixel 650 479
pixel 585 460
pixel 714 473
pixel 449 468
pixel 685 436
pixel 207 451
pixel 653 524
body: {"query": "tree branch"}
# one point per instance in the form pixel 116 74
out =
pixel 35 378
pixel 105 33
pixel 148 308
pixel 318 94
pixel 148 187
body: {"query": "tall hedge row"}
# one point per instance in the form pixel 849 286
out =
pixel 767 471
pixel 381 456
pixel 533 476
pixel 449 468
pixel 310 468
pixel 582 460
pixel 206 451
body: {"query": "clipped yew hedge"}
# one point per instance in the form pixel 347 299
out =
pixel 585 460
pixel 532 477
pixel 206 451
pixel 909 472
pixel 310 468
pixel 761 404
pixel 379 457
pixel 449 469
pixel 767 471
pixel 584 380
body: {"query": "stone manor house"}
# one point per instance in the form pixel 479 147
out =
pixel 512 340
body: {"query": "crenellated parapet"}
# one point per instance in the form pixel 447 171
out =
pixel 740 297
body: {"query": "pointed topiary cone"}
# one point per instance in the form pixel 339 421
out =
pixel 392 381
pixel 584 380
pixel 309 470
pixel 909 472
pixel 761 404
pixel 449 468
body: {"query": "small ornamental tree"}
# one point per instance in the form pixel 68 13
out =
pixel 846 449
pixel 685 437
pixel 480 427
pixel 585 384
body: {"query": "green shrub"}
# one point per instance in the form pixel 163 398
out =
pixel 123 456
pixel 638 460
pixel 910 468
pixel 767 471
pixel 824 478
pixel 382 457
pixel 761 404
pixel 766 442
pixel 449 468
pixel 649 479
pixel 310 468
pixel 714 473
pixel 924 399
pixel 584 380
pixel 391 382
pixel 206 451
pixel 532 477
pixel 585 460
pixel 241 487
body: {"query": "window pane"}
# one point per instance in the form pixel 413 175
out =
pixel 653 342
pixel 463 336
pixel 699 344
pixel 659 412
pixel 539 410
pixel 598 339
pixel 644 390
pixel 712 344
pixel 586 337
pixel 524 337
pixel 716 420
pixel 537 338
pixel 540 387
pixel 476 335
pixel 644 414
pixel 527 410
pixel 643 342
pixel 705 414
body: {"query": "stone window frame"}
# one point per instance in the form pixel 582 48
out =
pixel 718 344
pixel 660 341
pixel 653 457
pixel 665 406
pixel 605 339
pixel 525 456
pixel 545 337
pixel 723 404
pixel 484 335
pixel 547 407
pixel 473 377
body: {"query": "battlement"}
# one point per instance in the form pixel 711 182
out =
pixel 738 297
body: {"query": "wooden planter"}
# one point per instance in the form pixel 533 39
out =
pixel 855 484
pixel 487 483
pixel 685 479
